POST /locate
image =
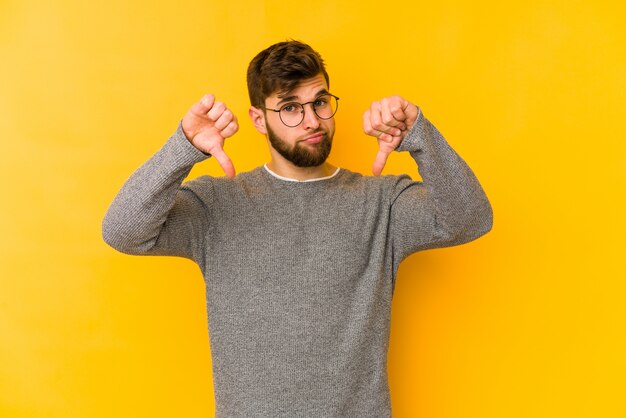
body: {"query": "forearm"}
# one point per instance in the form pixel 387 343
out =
pixel 137 216
pixel 460 209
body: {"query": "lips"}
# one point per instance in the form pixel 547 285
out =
pixel 314 139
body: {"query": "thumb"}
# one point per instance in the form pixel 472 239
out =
pixel 379 162
pixel 224 161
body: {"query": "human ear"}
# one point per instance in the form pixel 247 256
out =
pixel 258 119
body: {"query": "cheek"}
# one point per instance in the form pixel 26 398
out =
pixel 284 134
pixel 330 125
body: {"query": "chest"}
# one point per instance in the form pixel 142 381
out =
pixel 322 231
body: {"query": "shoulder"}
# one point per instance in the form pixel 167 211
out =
pixel 386 181
pixel 207 186
pixel 387 186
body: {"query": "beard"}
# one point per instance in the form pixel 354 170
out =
pixel 299 155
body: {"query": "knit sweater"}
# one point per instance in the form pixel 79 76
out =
pixel 299 275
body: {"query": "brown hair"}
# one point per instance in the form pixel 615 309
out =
pixel 280 68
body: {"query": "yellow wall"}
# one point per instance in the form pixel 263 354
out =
pixel 529 321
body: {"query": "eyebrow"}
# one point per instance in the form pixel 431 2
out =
pixel 294 97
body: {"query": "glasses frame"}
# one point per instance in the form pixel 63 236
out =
pixel 302 105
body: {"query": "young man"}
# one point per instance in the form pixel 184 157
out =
pixel 299 257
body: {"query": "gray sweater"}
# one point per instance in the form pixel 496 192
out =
pixel 299 275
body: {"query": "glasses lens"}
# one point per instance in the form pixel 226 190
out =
pixel 325 106
pixel 292 114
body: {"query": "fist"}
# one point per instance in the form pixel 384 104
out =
pixel 388 120
pixel 207 124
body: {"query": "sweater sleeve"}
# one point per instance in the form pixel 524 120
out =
pixel 152 214
pixel 449 207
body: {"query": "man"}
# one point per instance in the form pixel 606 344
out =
pixel 299 257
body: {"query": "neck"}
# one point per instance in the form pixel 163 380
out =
pixel 288 170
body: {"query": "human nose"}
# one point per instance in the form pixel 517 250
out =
pixel 310 119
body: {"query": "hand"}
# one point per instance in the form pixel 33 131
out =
pixel 207 124
pixel 388 120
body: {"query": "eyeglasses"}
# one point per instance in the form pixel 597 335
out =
pixel 292 114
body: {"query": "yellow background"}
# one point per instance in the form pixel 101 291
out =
pixel 529 321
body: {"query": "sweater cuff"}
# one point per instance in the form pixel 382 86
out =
pixel 414 138
pixel 186 152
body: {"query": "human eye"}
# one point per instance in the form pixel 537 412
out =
pixel 321 101
pixel 291 108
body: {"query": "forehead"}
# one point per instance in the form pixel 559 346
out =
pixel 305 90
